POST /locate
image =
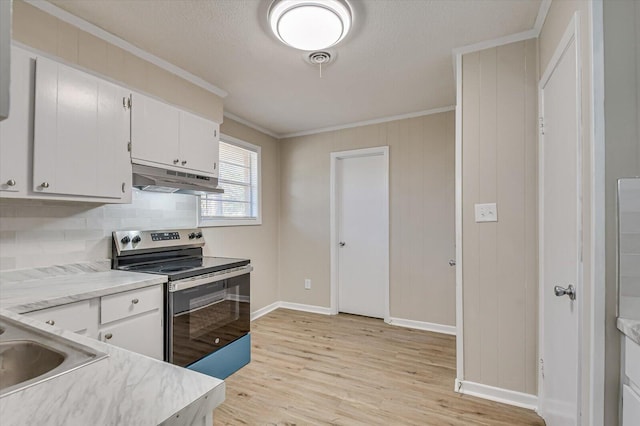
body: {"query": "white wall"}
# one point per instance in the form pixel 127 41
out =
pixel 421 188
pixel 499 164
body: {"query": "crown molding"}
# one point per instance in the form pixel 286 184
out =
pixel 369 122
pixel 252 125
pixel 542 16
pixel 92 29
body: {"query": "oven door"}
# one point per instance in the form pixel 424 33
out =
pixel 206 317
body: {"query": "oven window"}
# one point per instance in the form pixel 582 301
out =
pixel 209 319
pixel 220 309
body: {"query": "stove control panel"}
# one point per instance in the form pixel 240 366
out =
pixel 163 236
pixel 152 241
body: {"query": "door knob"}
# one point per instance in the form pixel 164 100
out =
pixel 452 262
pixel 342 244
pixel 569 291
pixel 11 182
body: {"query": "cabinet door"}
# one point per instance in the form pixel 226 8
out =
pixel 16 131
pixel 198 143
pixel 154 131
pixel 630 406
pixel 142 334
pixel 80 133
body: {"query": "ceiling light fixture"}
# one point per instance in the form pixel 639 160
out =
pixel 310 24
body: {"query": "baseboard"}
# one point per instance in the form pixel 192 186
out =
pixel 421 325
pixel 289 305
pixel 264 311
pixel 492 393
pixel 306 308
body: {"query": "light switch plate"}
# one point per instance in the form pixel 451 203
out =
pixel 486 212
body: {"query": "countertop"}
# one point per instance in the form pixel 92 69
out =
pixel 26 290
pixel 125 388
pixel 630 328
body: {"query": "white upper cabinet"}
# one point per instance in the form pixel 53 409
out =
pixel 162 134
pixel 198 143
pixel 16 131
pixel 81 134
pixel 154 130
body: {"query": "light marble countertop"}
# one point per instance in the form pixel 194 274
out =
pixel 630 328
pixel 26 290
pixel 123 389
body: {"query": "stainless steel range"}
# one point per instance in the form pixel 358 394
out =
pixel 207 317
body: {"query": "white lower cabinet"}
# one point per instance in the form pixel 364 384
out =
pixel 132 320
pixel 631 384
pixel 630 407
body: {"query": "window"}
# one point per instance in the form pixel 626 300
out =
pixel 240 178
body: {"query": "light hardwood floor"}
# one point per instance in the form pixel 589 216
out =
pixel 311 369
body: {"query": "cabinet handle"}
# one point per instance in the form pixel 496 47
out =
pixel 214 166
pixel 123 187
pixel 176 161
pixel 44 184
pixel 108 336
pixel 11 182
pixel 184 163
pixel 50 322
pixel 135 301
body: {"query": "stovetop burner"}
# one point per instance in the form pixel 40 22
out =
pixel 177 269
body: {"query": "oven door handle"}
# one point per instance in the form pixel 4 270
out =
pixel 209 278
pixel 199 308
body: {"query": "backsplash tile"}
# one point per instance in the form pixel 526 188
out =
pixel 35 233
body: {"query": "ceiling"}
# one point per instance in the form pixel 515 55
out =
pixel 396 61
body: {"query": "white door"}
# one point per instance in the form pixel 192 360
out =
pixel 362 231
pixel 560 211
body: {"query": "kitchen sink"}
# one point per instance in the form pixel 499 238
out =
pixel 29 356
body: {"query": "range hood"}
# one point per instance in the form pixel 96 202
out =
pixel 157 179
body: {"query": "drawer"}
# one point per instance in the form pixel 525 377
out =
pixel 129 303
pixel 77 317
pixel 632 361
pixel 630 407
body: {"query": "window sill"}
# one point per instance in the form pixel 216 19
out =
pixel 229 222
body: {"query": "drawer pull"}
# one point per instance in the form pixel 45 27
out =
pixel 108 336
pixel 135 301
pixel 51 322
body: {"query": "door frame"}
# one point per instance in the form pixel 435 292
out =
pixel 571 33
pixel 333 208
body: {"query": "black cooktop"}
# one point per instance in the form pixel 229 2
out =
pixel 187 267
